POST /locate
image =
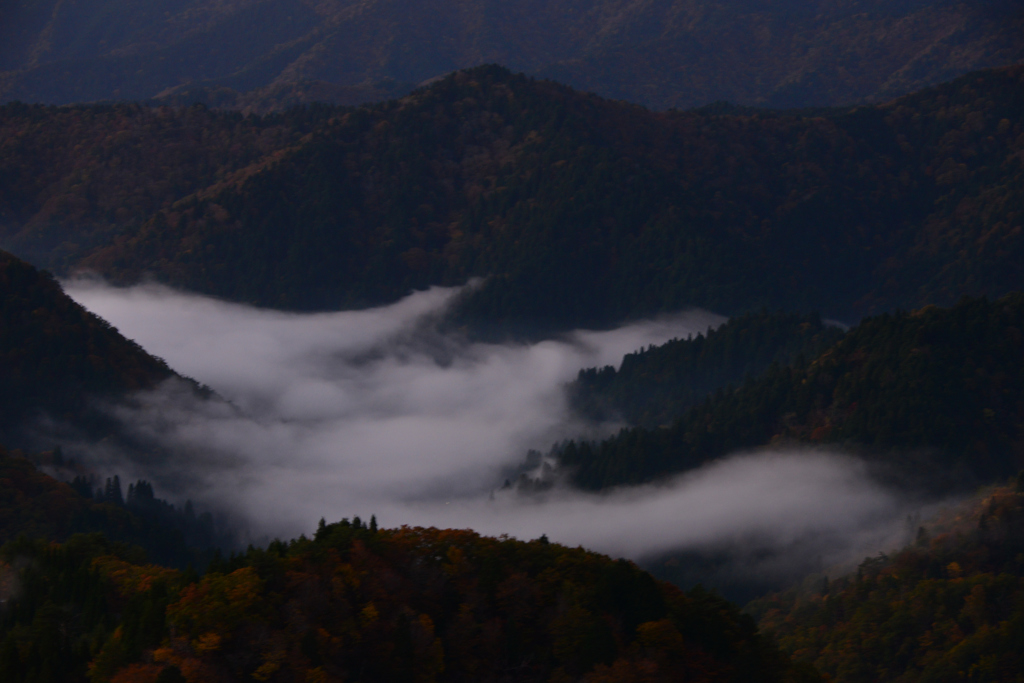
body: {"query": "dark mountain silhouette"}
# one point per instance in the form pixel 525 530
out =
pixel 56 358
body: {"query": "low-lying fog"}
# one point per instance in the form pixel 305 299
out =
pixel 376 412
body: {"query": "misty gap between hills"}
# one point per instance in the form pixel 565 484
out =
pixel 377 412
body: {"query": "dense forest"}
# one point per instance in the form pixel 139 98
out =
pixel 948 608
pixel 934 392
pixel 366 604
pixel 579 211
pixel 655 386
pixel 263 54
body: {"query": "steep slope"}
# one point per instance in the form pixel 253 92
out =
pixel 936 393
pixel 580 211
pixel 677 53
pixel 55 356
pixel 949 608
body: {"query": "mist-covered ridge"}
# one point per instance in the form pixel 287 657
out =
pixel 934 395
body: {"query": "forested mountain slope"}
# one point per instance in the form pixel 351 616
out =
pixel 949 608
pixel 936 393
pixel 580 211
pixel 677 53
pixel 56 357
pixel 655 386
pixel 362 604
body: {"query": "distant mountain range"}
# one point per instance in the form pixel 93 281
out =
pixel 265 54
pixel 577 210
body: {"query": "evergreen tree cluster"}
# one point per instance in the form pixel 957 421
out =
pixel 655 386
pixel 35 505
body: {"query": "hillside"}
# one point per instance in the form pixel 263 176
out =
pixel 949 608
pixel 580 211
pixel 367 604
pixel 935 393
pixel 261 54
pixel 56 357
pixel 655 386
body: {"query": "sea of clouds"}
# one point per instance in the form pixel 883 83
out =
pixel 377 412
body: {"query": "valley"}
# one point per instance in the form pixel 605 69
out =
pixel 457 341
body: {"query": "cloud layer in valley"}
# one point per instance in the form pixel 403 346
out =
pixel 376 412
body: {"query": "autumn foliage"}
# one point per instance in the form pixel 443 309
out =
pixel 358 603
pixel 948 608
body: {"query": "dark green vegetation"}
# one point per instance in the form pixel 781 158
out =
pixel 35 505
pixel 655 386
pixel 949 608
pixel 55 357
pixel 677 53
pixel 936 391
pixel 362 604
pixel 581 211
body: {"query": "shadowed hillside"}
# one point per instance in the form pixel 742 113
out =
pixel 655 386
pixel 935 393
pixel 56 357
pixel 951 603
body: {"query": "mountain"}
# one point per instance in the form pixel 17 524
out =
pixel 56 358
pixel 367 604
pixel 655 386
pixel 934 393
pixel 577 210
pixel 948 608
pixel 671 53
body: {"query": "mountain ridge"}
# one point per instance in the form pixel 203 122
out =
pixel 56 357
pixel 931 395
pixel 678 53
pixel 578 211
